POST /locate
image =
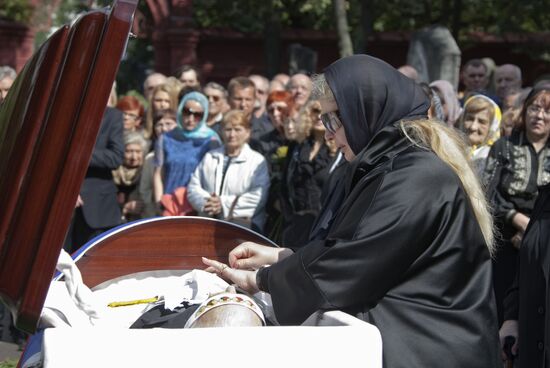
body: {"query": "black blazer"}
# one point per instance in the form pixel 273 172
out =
pixel 100 208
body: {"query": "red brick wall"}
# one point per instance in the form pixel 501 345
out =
pixel 17 44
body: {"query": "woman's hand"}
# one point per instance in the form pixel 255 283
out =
pixel 251 256
pixel 246 280
pixel 132 207
pixel 520 221
pixel 516 239
pixel 79 202
pixel 213 205
pixel 509 328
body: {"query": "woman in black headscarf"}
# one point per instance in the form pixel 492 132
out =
pixel 408 249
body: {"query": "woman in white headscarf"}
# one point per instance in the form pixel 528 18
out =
pixel 481 123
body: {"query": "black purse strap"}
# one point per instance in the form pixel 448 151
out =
pixel 232 208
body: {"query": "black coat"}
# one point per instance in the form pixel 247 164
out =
pixel 98 191
pixel 404 253
pixel 528 299
pixel 303 181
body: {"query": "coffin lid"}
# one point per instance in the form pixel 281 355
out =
pixel 48 125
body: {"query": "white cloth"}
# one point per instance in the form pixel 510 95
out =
pixel 72 303
pixel 247 177
pixel 479 159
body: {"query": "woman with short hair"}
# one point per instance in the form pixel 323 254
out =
pixel 232 182
pixel 516 167
pixel 132 113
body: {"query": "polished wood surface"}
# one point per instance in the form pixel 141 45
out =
pixel 168 243
pixel 23 122
pixel 80 64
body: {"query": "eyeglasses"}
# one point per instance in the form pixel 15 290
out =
pixel 535 109
pixel 196 114
pixel 129 115
pixel 271 109
pixel 332 121
pixel 213 97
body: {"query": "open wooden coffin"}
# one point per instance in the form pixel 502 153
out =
pixel 48 126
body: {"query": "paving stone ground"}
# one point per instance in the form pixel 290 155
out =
pixel 9 351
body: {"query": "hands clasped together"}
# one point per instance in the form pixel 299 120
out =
pixel 213 205
pixel 244 262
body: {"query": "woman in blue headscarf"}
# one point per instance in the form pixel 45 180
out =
pixel 178 152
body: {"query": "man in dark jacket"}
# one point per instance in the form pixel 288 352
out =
pixel 97 209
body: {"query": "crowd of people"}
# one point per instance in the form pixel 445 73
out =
pixel 286 161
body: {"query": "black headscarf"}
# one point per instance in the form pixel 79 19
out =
pixel 371 95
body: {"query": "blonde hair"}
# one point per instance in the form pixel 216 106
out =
pixel 450 147
pixel 236 117
pixel 149 116
pixel 448 144
pixel 304 122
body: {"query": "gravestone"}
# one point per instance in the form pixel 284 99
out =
pixel 435 54
pixel 301 59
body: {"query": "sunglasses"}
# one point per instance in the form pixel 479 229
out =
pixel 332 121
pixel 196 114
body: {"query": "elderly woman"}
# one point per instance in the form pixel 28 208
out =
pixel 516 167
pixel 128 175
pixel 481 123
pixel 232 182
pixel 410 244
pixel 178 152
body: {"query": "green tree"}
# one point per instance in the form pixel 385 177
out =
pixel 16 10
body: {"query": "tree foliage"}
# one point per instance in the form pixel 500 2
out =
pixel 249 15
pixel 16 10
pixel 491 16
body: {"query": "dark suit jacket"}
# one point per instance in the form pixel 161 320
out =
pixel 100 208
